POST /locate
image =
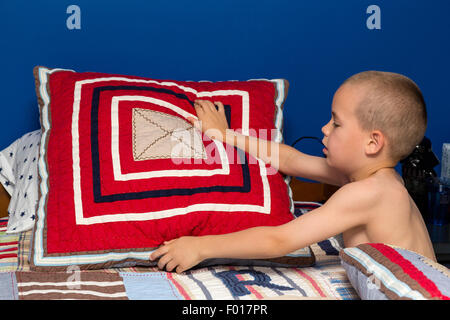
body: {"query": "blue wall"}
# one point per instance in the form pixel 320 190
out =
pixel 313 44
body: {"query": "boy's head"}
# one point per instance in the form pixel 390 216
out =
pixel 389 110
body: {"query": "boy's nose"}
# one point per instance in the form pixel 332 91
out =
pixel 325 129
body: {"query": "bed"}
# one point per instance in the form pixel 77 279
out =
pixel 325 280
pixel 75 220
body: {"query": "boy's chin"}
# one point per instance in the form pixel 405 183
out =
pixel 330 162
pixel 333 164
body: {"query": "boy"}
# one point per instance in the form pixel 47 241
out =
pixel 377 120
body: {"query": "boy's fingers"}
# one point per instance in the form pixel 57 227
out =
pixel 171 265
pixel 198 106
pixel 163 261
pixel 179 269
pixel 198 109
pixel 192 120
pixel 206 105
pixel 154 255
pixel 195 123
pixel 201 102
pixel 157 253
pixel 211 106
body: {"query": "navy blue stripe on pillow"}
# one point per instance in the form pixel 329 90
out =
pixel 326 246
pixel 98 197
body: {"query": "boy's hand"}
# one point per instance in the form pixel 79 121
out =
pixel 179 254
pixel 210 120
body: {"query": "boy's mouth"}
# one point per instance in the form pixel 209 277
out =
pixel 325 149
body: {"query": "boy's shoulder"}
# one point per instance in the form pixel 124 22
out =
pixel 357 192
pixel 354 204
pixel 369 193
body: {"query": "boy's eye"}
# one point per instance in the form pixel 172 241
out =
pixel 335 124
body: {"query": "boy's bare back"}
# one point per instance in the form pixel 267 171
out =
pixel 392 216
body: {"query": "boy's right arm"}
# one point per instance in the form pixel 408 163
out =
pixel 282 157
pixel 287 159
pixel 298 164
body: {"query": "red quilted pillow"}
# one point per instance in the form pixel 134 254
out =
pixel 122 170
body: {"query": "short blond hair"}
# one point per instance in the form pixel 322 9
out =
pixel 393 104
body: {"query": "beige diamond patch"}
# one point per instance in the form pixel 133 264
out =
pixel 158 135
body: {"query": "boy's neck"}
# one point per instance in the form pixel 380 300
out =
pixel 367 171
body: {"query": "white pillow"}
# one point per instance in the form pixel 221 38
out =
pixel 19 176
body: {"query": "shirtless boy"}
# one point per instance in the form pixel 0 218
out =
pixel 377 118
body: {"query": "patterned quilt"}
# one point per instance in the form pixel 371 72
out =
pixel 325 280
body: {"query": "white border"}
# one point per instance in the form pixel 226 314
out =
pixel 119 176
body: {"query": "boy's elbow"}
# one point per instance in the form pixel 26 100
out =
pixel 278 244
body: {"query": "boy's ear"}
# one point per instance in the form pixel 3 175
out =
pixel 376 142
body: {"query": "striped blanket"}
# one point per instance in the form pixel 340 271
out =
pixel 325 280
